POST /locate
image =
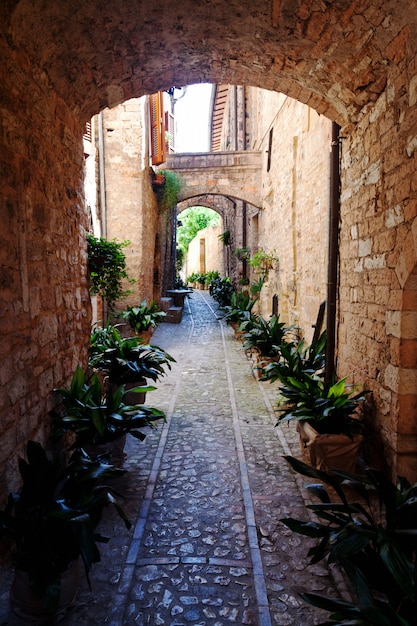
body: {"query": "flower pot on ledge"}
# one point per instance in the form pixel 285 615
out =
pixel 326 451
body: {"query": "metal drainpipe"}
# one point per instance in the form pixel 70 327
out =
pixel 103 220
pixel 333 252
pixel 239 91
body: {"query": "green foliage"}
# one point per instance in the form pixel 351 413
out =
pixel 124 359
pixel 374 539
pixel 52 519
pixel 242 253
pixel 192 278
pixel 239 309
pixel 98 418
pixel 298 359
pixel 221 289
pixel 107 267
pixel 168 195
pixel 141 317
pixel 256 287
pixel 209 276
pixel 193 220
pixel 265 336
pixel 263 261
pixel 225 237
pixel 330 407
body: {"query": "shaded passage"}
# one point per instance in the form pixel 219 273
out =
pixel 205 492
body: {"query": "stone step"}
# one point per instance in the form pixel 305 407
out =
pixel 174 315
pixel 165 304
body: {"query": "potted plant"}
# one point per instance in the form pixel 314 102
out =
pixel 238 311
pixel 225 237
pixel 263 261
pixel 242 254
pixel 101 419
pixel 221 289
pixel 327 413
pixel 51 523
pixel 261 340
pixel 168 190
pixel 143 318
pixel 107 268
pixel 373 538
pixel 126 361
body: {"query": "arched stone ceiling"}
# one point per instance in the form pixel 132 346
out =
pixel 332 54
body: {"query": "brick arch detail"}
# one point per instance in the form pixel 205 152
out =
pixel 335 59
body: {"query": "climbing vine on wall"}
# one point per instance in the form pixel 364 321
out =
pixel 168 194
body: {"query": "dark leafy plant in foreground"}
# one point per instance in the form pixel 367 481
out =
pixel 374 540
pixel 53 519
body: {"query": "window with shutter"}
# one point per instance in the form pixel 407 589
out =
pixel 170 128
pixel 157 124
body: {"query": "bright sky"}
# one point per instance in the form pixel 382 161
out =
pixel 192 119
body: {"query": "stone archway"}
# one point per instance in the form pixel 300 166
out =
pixel 67 60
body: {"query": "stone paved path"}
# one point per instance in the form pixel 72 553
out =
pixel 205 493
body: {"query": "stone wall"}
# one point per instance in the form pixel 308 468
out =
pixel 131 205
pixel 44 300
pixel 205 252
pixel 377 330
pixel 294 142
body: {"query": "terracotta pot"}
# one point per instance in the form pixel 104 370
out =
pixel 131 397
pixel 114 448
pixel 29 607
pixel 329 450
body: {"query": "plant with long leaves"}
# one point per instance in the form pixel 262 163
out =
pixel 98 418
pixel 330 407
pixel 297 358
pixel 240 308
pixel 141 317
pixel 53 519
pixel 265 335
pixel 126 359
pixel 374 539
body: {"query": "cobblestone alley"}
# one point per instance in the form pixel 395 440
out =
pixel 205 493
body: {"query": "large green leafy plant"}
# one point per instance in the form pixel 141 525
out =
pixel 141 317
pixel 240 308
pixel 125 359
pixel 373 538
pixel 264 335
pixel 222 289
pixel 99 418
pixel 53 519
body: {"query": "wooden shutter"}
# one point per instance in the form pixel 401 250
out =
pixel 157 124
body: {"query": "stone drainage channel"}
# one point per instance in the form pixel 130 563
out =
pixel 207 490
